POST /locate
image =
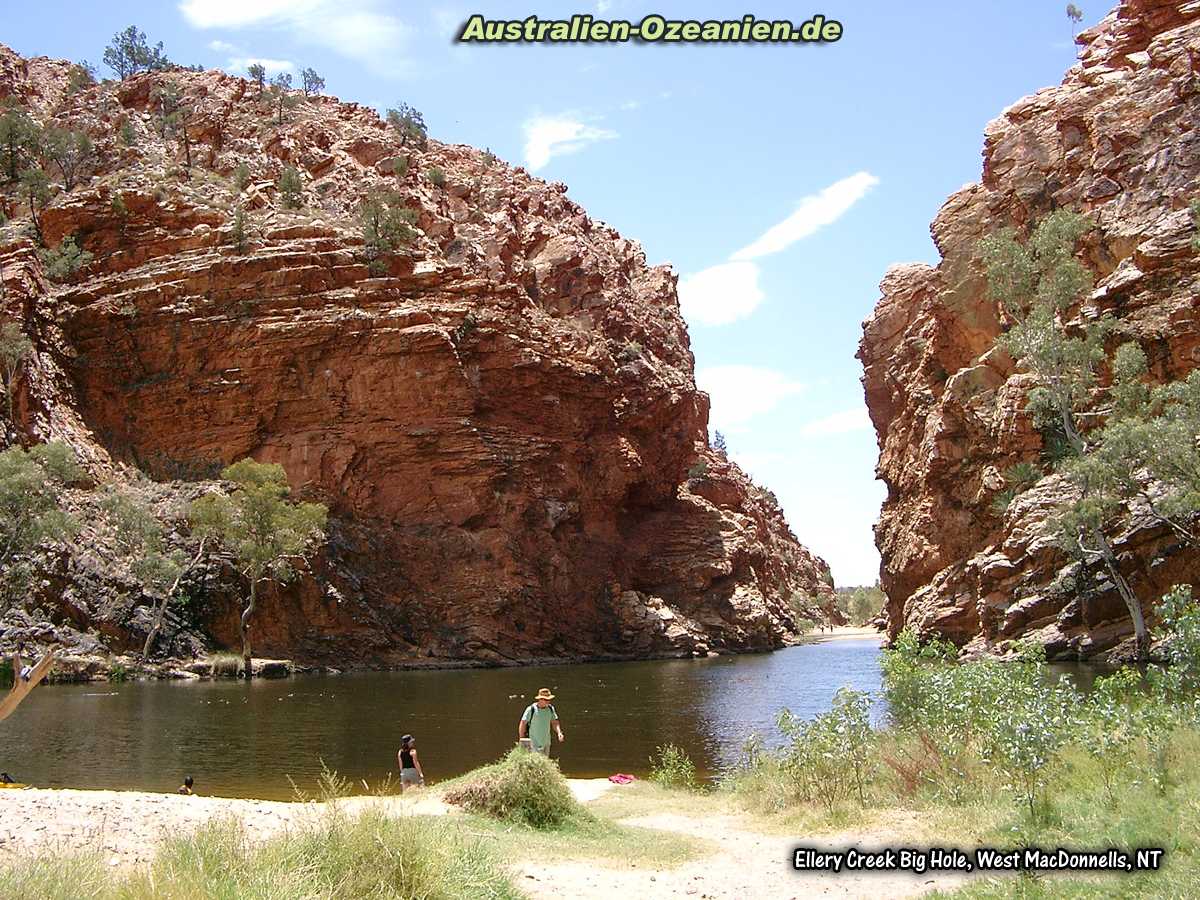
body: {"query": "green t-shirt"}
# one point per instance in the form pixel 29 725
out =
pixel 539 723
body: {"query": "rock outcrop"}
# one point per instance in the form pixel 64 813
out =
pixel 1119 140
pixel 501 415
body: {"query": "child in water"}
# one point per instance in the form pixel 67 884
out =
pixel 186 787
pixel 411 774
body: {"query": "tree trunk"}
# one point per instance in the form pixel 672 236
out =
pixel 162 607
pixel 246 614
pixel 1131 601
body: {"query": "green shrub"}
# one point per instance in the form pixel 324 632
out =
pixel 238 236
pixel 523 787
pixel 409 125
pixel 65 260
pixel 225 665
pixel 671 767
pixel 241 177
pixel 436 176
pixel 631 350
pixel 290 189
pixel 828 755
pixel 400 166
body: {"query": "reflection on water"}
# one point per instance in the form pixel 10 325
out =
pixel 241 739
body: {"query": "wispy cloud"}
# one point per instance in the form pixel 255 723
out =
pixel 814 213
pixel 740 393
pixel 363 30
pixel 549 136
pixel 843 422
pixel 273 66
pixel 720 294
pixel 728 292
pixel 222 47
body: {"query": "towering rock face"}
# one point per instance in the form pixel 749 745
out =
pixel 501 416
pixel 1119 141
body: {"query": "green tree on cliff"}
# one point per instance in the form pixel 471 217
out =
pixel 281 84
pixel 311 83
pixel 1134 449
pixel 258 75
pixel 268 534
pixel 1075 14
pixel 142 538
pixel 130 53
pixel 19 139
pixel 15 348
pixel 386 224
pixel 409 125
pixel 31 488
pixel 290 188
pixel 71 151
pixel 35 185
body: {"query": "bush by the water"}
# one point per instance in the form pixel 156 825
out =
pixel 671 767
pixel 961 732
pixel 523 787
pixel 336 857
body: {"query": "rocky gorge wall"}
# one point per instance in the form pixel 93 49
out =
pixel 1118 140
pixel 503 422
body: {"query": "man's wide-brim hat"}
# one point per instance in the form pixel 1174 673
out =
pixel 544 694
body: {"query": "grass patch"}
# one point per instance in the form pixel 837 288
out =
pixel 524 787
pixel 225 665
pixel 335 857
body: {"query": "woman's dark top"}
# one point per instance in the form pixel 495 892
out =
pixel 406 761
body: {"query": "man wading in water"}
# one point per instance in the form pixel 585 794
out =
pixel 539 717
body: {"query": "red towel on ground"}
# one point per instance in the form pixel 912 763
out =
pixel 621 778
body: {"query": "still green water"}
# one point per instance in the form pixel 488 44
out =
pixel 245 740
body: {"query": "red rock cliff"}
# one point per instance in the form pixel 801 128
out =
pixel 502 422
pixel 1118 140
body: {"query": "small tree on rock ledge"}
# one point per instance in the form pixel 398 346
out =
pixel 268 534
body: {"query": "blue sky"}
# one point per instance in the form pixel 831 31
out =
pixel 780 181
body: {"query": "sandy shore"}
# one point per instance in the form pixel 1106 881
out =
pixel 844 633
pixel 127 826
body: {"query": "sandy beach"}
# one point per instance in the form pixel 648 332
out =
pixel 126 827
pixel 844 633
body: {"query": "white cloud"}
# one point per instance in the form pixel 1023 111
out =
pixel 814 213
pixel 603 6
pixel 549 136
pixel 631 104
pixel 273 66
pixel 843 422
pixel 222 47
pixel 720 294
pixel 363 30
pixel 740 393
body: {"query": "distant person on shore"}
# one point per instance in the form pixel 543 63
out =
pixel 537 720
pixel 186 787
pixel 411 773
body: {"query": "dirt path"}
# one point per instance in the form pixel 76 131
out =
pixel 742 864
